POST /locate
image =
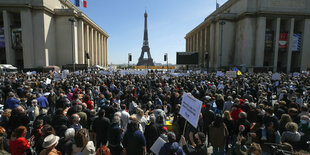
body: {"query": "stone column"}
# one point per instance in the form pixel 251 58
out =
pixel 87 42
pixel 305 52
pixel 212 45
pixel 9 52
pixel 99 49
pixel 81 50
pixel 106 51
pixel 91 47
pixel 102 50
pixel 260 41
pixel 95 48
pixel 27 38
pixel 276 45
pixel 289 48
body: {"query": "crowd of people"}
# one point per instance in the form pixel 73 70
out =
pixel 93 113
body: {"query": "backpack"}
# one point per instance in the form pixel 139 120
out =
pixel 103 150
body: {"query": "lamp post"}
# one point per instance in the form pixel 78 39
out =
pixel 72 20
pixel 222 23
pixel 166 59
pixel 129 59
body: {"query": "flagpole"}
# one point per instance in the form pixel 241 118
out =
pixel 216 5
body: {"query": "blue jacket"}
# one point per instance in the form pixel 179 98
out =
pixel 12 103
pixel 171 149
pixel 42 102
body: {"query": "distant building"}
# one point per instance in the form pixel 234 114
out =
pixel 260 34
pixel 36 33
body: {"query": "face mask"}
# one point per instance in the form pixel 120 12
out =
pixel 303 121
pixel 79 119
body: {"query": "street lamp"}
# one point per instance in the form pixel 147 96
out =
pixel 166 59
pixel 222 23
pixel 129 59
pixel 72 20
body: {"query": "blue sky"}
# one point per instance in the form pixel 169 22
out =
pixel 168 23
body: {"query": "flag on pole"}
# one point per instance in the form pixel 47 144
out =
pixel 217 5
pixel 238 71
pixel 84 3
pixel 77 3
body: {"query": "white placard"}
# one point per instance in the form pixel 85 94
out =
pixel 166 77
pixel 48 81
pixel 57 77
pixel 231 74
pixel 205 72
pixel 190 109
pixel 276 76
pixel 219 73
pixel 77 73
pixel 295 74
pixel 159 143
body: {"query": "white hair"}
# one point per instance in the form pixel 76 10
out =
pixel 69 133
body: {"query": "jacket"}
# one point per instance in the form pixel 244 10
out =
pixel 171 149
pixel 218 135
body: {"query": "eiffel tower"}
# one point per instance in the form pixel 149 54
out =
pixel 145 48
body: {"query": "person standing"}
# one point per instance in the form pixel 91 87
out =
pixel 134 140
pixel 218 135
pixel 12 102
pixel 100 126
pixel 115 136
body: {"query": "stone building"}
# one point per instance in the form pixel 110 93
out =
pixel 36 33
pixel 260 34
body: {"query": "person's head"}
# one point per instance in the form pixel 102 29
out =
pixel 50 141
pixel 80 138
pixel 2 131
pixel 47 130
pixel 255 149
pixel 164 130
pixel 227 115
pixel 7 113
pixel 11 95
pixel 75 118
pixel 304 119
pixel 269 110
pixel 20 132
pixel 152 118
pixel 199 138
pixel 291 126
pixel 116 119
pixel 171 137
pixel 140 112
pixel 123 106
pixel 285 118
pixel 20 109
pixel 37 124
pixel 101 113
pixel 242 115
pixel 133 123
pixel 218 121
pixel 69 133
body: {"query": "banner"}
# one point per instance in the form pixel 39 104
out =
pixel 276 76
pixel 296 42
pixel 231 74
pixel 268 40
pixel 190 109
pixel 283 40
pixel 2 39
pixel 219 73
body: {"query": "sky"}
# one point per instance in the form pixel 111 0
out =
pixel 168 23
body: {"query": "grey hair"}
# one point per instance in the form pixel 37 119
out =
pixel 69 133
pixel 116 119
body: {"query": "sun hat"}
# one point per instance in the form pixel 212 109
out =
pixel 50 141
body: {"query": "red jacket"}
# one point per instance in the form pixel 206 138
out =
pixel 235 114
pixel 19 146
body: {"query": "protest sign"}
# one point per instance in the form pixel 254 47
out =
pixel 77 73
pixel 231 74
pixel 219 73
pixel 166 77
pixel 159 143
pixel 48 81
pixel 190 109
pixel 295 74
pixel 276 76
pixel 57 77
pixel 205 72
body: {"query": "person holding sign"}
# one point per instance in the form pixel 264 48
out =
pixel 172 147
pixel 200 149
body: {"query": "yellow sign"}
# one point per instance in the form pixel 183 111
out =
pixel 153 67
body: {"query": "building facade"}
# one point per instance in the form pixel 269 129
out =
pixel 259 34
pixel 36 33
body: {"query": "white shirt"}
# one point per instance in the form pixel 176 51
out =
pixel 124 119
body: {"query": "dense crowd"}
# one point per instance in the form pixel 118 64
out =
pixel 92 113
